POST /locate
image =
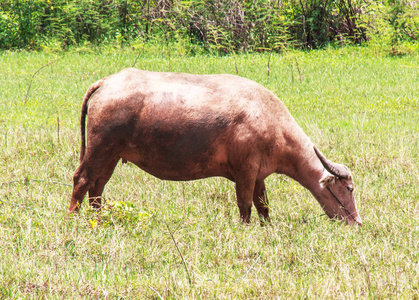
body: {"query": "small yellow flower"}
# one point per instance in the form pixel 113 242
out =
pixel 93 224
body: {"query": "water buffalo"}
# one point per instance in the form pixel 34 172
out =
pixel 183 127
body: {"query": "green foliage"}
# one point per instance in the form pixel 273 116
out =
pixel 44 22
pixel 392 26
pixel 222 26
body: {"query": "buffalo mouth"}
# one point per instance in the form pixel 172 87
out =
pixel 351 218
pixel 344 215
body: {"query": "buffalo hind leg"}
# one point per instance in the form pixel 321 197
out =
pixel 82 180
pixel 96 189
pixel 260 200
pixel 85 176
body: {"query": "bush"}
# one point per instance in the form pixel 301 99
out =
pixel 391 26
pixel 224 26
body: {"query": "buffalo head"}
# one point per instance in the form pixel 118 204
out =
pixel 338 191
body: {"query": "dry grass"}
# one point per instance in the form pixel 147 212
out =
pixel 360 109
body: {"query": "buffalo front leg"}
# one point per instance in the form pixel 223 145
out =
pixel 244 191
pixel 96 189
pixel 260 200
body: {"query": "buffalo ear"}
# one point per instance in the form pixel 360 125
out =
pixel 327 179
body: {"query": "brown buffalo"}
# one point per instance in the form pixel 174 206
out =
pixel 185 127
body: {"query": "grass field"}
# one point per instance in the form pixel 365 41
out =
pixel 172 240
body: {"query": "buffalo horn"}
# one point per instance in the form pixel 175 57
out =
pixel 332 168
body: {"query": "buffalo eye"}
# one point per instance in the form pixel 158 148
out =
pixel 350 189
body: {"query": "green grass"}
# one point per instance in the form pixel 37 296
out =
pixel 360 108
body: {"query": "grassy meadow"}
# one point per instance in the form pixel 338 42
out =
pixel 171 240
